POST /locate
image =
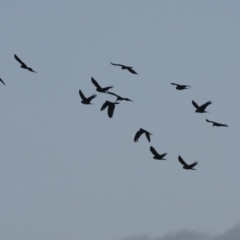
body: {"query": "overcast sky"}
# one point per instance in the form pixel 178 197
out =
pixel 68 171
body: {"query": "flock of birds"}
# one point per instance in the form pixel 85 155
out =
pixel 111 108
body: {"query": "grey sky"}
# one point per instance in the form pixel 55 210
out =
pixel 67 170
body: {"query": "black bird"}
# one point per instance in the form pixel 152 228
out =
pixel 181 87
pixel 202 108
pixel 86 100
pixel 140 132
pixel 186 166
pixel 2 81
pixel 23 65
pixel 157 156
pixel 120 98
pixel 217 124
pixel 125 67
pixel 111 107
pixel 99 88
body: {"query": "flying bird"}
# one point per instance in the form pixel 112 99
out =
pixel 120 98
pixel 99 88
pixel 140 132
pixel 2 81
pixel 111 107
pixel 201 109
pixel 181 87
pixel 86 100
pixel 217 124
pixel 186 166
pixel 23 65
pixel 125 67
pixel 157 156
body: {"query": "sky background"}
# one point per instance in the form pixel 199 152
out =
pixel 68 171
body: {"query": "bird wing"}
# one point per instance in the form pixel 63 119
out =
pixel 113 94
pixel 104 105
pixel 205 105
pixel 181 161
pixel 148 136
pixel 193 164
pixel 114 64
pixel 175 84
pixel 131 70
pixel 154 152
pixel 111 108
pixel 95 83
pixel 209 121
pixel 2 81
pixel 82 95
pixel 19 60
pixel 137 135
pixel 195 105
pixel 163 155
pixel 92 97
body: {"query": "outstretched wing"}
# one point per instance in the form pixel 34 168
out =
pixel 19 60
pixel 131 70
pixel 92 97
pixel 175 84
pixel 205 105
pixel 114 64
pixel 104 105
pixel 137 135
pixel 81 95
pixel 195 105
pixel 95 83
pixel 2 81
pixel 113 94
pixel 209 121
pixel 163 155
pixel 148 135
pixel 154 152
pixel 193 164
pixel 181 161
pixel 111 108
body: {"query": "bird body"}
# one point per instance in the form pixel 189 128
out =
pixel 119 98
pixel 201 109
pixel 111 107
pixel 217 124
pixel 130 69
pixel 99 88
pixel 23 65
pixel 185 165
pixel 157 156
pixel 181 87
pixel 140 132
pixel 86 100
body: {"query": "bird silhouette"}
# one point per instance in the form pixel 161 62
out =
pixel 201 109
pixel 120 98
pixel 99 88
pixel 86 100
pixel 111 107
pixel 186 166
pixel 217 124
pixel 140 132
pixel 157 156
pixel 23 65
pixel 2 81
pixel 125 67
pixel 181 87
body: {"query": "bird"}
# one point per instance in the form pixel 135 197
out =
pixel 202 108
pixel 120 98
pixel 140 132
pixel 99 88
pixel 86 100
pixel 23 65
pixel 181 87
pixel 2 81
pixel 125 67
pixel 217 124
pixel 157 156
pixel 186 166
pixel 111 107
